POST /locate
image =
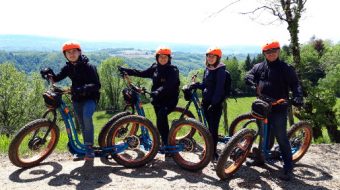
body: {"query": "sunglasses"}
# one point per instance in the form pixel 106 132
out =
pixel 269 51
pixel 210 55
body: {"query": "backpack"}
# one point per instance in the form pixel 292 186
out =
pixel 227 84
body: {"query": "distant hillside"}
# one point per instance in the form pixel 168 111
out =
pixel 41 43
pixel 31 53
pixel 33 61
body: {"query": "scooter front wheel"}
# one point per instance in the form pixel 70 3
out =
pixel 33 143
pixel 235 153
pixel 195 150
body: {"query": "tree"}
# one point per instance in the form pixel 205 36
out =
pixel 321 80
pixel 112 84
pixel 247 63
pixel 20 98
pixel 34 101
pixel 288 11
pixel 13 89
pixel 232 66
pixel 319 47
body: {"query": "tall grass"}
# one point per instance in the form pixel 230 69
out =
pixel 4 143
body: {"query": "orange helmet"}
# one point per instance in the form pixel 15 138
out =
pixel 163 50
pixel 271 45
pixel 71 45
pixel 214 51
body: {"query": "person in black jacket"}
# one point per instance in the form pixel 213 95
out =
pixel 214 93
pixel 274 78
pixel 85 90
pixel 164 90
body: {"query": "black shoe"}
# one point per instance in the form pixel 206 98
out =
pixel 215 158
pixel 168 156
pixel 286 176
pixel 255 162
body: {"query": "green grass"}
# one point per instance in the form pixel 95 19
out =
pixel 4 143
pixel 235 108
pixel 100 118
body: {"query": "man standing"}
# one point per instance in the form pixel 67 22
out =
pixel 274 78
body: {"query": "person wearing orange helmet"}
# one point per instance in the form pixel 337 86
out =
pixel 214 92
pixel 274 78
pixel 164 90
pixel 85 89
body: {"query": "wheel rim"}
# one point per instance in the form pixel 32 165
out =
pixel 174 115
pixel 300 141
pixel 139 146
pixel 249 123
pixel 238 154
pixel 32 149
pixel 194 147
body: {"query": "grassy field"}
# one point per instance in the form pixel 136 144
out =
pixel 235 108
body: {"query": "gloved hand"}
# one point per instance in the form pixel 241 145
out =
pixel 250 82
pixel 194 85
pixel 298 101
pixel 46 73
pixel 122 71
pixel 154 94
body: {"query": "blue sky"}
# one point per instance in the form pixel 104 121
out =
pixel 176 21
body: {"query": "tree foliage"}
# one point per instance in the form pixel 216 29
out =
pixel 112 84
pixel 20 98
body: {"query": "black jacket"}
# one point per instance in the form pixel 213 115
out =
pixel 84 77
pixel 274 80
pixel 213 86
pixel 165 80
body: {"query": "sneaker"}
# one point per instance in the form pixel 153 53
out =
pixel 286 175
pixel 89 154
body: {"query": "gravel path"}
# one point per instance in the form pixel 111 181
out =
pixel 319 169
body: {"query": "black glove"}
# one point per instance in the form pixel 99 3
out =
pixel 194 85
pixel 298 101
pixel 250 82
pixel 154 94
pixel 122 71
pixel 46 73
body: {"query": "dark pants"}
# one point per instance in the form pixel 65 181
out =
pixel 162 113
pixel 213 118
pixel 277 123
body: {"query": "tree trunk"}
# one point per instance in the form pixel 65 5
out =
pixel 295 46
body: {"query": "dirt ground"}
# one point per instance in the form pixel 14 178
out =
pixel 318 169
